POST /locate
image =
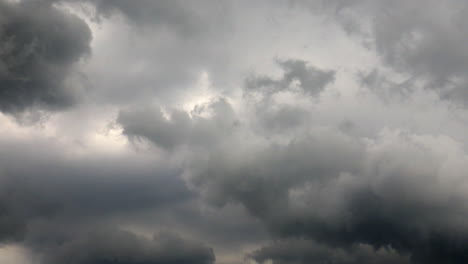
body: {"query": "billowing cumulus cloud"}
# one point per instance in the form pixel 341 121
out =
pixel 321 182
pixel 282 132
pixel 40 46
pixel 179 128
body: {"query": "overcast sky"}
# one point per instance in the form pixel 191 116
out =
pixel 228 132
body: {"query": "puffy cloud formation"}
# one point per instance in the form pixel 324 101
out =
pixel 333 187
pixel 40 46
pixel 282 132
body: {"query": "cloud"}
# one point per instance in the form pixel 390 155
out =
pixel 327 185
pixel 297 251
pixel 341 192
pixel 71 191
pixel 179 128
pixel 193 126
pixel 186 19
pixel 419 41
pixel 171 42
pixel 118 246
pixel 40 46
pixel 311 80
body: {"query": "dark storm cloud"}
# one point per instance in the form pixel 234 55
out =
pixel 112 246
pixel 333 187
pixel 345 195
pixel 39 46
pixel 48 187
pixel 53 203
pixel 258 178
pixel 311 79
pixel 300 251
pixel 272 166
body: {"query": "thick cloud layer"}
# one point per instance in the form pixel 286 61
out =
pixel 282 132
pixel 305 251
pixel 117 246
pixel 40 45
pixel 58 190
pixel 324 183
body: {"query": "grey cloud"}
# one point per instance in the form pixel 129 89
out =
pixel 40 45
pixel 51 201
pixel 385 87
pixel 261 92
pixel 257 178
pixel 172 43
pixel 282 119
pixel 299 251
pixel 320 189
pixel 118 246
pixel 48 187
pixel 311 79
pixel 423 39
pixel 386 198
pixel 179 128
pixel 187 18
pixel 341 190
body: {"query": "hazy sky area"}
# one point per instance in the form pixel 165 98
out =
pixel 229 132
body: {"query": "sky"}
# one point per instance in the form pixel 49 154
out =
pixel 228 132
